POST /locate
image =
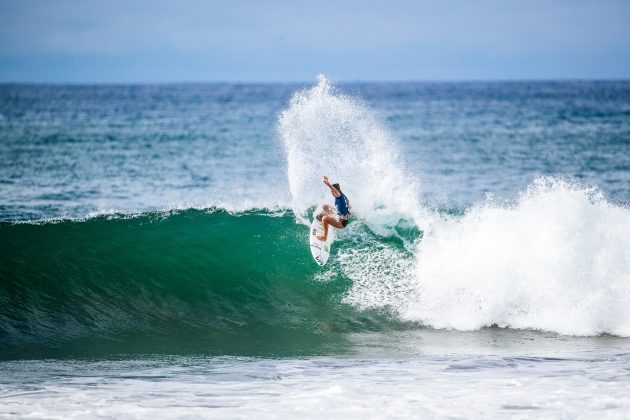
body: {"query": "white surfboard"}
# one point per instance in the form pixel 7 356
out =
pixel 320 249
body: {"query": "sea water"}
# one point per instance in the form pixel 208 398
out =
pixel 154 257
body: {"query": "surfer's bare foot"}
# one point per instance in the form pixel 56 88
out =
pixel 321 238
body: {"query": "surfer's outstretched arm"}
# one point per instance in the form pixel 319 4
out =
pixel 334 190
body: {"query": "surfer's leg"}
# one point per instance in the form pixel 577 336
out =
pixel 329 220
pixel 326 209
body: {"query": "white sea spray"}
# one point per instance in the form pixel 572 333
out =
pixel 556 259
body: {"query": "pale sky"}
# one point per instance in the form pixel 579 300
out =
pixel 192 40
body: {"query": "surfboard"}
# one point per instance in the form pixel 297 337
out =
pixel 320 249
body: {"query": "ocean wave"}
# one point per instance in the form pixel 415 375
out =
pixel 230 278
pixel 216 282
pixel 203 281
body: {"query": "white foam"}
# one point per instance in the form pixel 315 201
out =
pixel 558 259
pixel 382 276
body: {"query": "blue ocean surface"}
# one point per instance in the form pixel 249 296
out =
pixel 154 258
pixel 67 151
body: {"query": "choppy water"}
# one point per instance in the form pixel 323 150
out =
pixel 154 259
pixel 439 374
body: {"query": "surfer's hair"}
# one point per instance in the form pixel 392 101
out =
pixel 337 187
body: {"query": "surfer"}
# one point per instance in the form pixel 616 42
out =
pixel 343 210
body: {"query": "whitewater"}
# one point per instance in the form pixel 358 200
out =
pixel 154 256
pixel 557 258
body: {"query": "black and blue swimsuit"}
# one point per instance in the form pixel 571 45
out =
pixel 341 203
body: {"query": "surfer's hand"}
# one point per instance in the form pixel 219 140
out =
pixel 325 180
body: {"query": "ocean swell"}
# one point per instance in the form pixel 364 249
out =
pixel 200 281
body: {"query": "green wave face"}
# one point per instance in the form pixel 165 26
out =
pixel 183 282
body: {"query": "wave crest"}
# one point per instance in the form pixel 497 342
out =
pixel 558 260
